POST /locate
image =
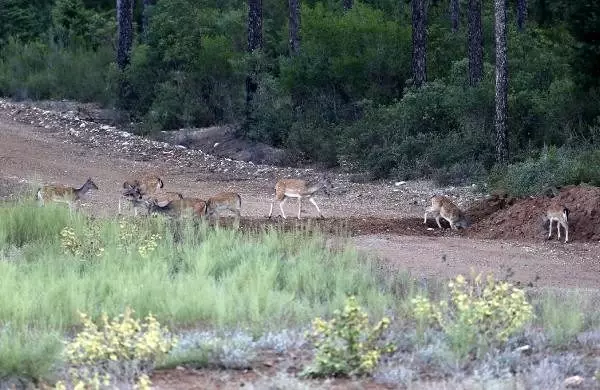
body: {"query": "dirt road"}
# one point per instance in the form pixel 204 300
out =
pixel 383 218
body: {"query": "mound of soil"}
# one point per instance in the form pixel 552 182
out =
pixel 509 218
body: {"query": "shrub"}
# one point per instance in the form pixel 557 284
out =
pixel 86 245
pixel 554 167
pixel 121 349
pixel 346 345
pixel 478 313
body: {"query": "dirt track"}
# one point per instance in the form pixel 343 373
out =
pixel 382 219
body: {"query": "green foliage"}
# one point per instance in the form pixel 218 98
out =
pixel 477 314
pixel 40 71
pixel 347 345
pixel 75 25
pixel 254 279
pixel 25 223
pixel 190 72
pixel 28 353
pixel 554 167
pixel 23 19
pixel 421 133
pixel 104 356
pixel 561 318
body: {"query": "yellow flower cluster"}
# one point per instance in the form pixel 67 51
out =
pixel 120 339
pixel 486 311
pixel 130 233
pixel 87 245
pixel 347 345
pixel 149 245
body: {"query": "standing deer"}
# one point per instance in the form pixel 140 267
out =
pixel 295 188
pixel 442 206
pixel 231 201
pixel 560 214
pixel 135 189
pixel 64 194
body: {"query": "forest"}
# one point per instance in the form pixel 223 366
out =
pixel 396 89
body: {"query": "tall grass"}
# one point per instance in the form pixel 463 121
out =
pixel 195 275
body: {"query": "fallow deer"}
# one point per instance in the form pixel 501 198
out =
pixel 64 194
pixel 231 201
pixel 442 206
pixel 135 189
pixel 560 214
pixel 296 188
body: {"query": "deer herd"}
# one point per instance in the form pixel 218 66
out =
pixel 148 192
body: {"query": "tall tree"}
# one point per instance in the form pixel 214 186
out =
pixel 255 21
pixel 294 22
pixel 348 4
pixel 124 42
pixel 501 83
pixel 521 14
pixel 124 31
pixel 475 43
pixel 419 42
pixel 455 14
pixel 255 42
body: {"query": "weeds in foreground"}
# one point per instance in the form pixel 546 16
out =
pixel 478 314
pixel 122 350
pixel 347 345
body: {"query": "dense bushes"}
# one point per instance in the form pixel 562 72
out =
pixel 553 167
pixel 344 99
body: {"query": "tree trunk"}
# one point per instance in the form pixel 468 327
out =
pixel 521 14
pixel 347 5
pixel 146 18
pixel 501 83
pixel 255 38
pixel 294 22
pixel 255 42
pixel 419 41
pixel 125 32
pixel 455 14
pixel 475 43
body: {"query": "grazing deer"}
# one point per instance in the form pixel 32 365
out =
pixel 135 189
pixel 231 201
pixel 442 206
pixel 64 194
pixel 295 188
pixel 178 207
pixel 560 214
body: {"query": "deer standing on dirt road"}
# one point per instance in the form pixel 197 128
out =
pixel 231 201
pixel 295 188
pixel 64 194
pixel 442 206
pixel 135 189
pixel 560 214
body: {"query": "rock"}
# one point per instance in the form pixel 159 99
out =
pixel 573 381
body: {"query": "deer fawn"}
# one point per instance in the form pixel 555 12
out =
pixel 231 201
pixel 442 206
pixel 560 214
pixel 178 207
pixel 295 188
pixel 64 194
pixel 135 189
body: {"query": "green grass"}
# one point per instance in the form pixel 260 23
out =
pixel 195 276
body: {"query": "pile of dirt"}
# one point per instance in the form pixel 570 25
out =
pixel 509 218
